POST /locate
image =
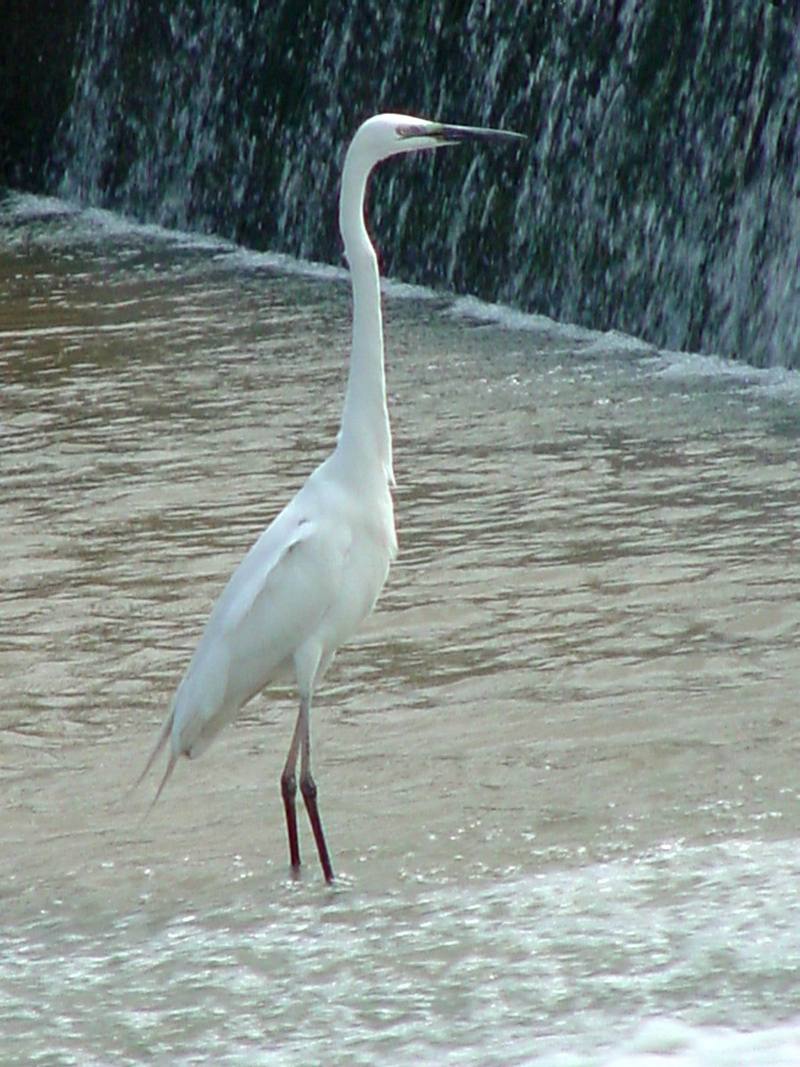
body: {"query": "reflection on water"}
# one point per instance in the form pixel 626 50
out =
pixel 558 768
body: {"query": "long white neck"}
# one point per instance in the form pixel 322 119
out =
pixel 365 435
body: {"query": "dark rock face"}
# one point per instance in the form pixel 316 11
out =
pixel 37 49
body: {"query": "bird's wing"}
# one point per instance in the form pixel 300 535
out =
pixel 260 567
pixel 272 605
pixel 200 706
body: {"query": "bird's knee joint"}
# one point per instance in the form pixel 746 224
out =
pixel 308 787
pixel 288 785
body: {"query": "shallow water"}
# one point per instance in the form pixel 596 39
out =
pixel 558 767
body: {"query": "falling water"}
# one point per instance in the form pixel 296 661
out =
pixel 659 192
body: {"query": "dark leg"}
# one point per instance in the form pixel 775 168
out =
pixel 309 789
pixel 289 789
pixel 289 792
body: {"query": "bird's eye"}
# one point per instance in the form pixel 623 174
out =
pixel 404 132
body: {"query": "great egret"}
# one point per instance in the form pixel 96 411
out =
pixel 316 571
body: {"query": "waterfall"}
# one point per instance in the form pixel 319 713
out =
pixel 659 192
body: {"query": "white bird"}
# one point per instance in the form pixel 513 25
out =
pixel 316 572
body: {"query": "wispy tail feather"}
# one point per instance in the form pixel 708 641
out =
pixel 165 779
pixel 163 737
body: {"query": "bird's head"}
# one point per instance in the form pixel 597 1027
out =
pixel 388 135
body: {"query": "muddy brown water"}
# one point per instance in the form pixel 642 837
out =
pixel 558 767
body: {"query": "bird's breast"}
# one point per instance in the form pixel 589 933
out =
pixel 371 546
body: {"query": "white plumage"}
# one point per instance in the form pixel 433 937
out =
pixel 317 570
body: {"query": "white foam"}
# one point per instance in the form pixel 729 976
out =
pixel 248 259
pixel 470 307
pixel 111 224
pixel 665 1042
pixel 31 205
pixel 616 343
pixel 669 1042
pixel 398 290
pixel 692 366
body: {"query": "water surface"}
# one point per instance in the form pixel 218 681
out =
pixel 558 767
